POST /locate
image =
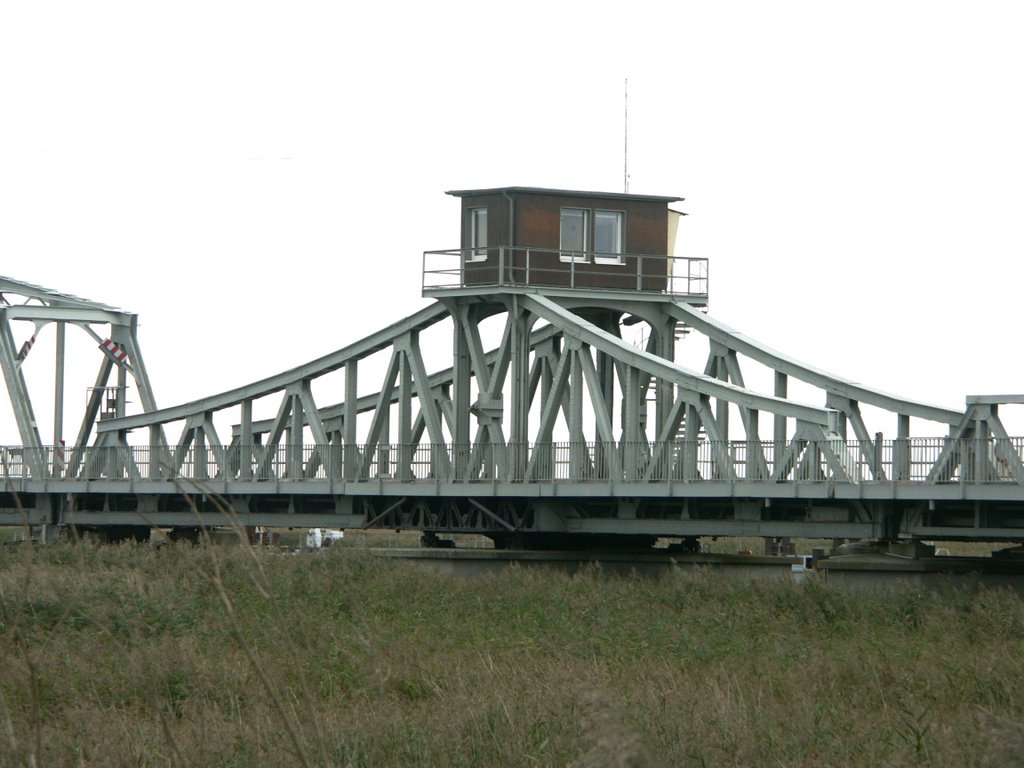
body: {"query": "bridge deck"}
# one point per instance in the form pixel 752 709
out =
pixel 838 489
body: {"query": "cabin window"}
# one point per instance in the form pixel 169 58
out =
pixel 477 235
pixel 574 234
pixel 608 236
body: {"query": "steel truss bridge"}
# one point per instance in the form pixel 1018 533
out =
pixel 556 417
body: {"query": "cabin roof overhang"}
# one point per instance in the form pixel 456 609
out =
pixel 563 192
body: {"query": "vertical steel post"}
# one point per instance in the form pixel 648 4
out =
pixel 351 460
pixel 199 454
pixel 981 444
pixel 577 445
pixel 753 445
pixel 404 469
pixel 840 405
pixel 691 435
pixel 519 375
pixel 384 443
pixel 901 450
pixel 461 373
pixel 295 441
pixel 58 389
pixel 779 436
pixel 631 424
pixel 246 447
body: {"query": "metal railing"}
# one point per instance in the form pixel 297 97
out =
pixel 518 266
pixel 910 460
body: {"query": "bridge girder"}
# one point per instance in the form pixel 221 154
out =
pixel 526 391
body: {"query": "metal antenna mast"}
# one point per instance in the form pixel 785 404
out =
pixel 625 137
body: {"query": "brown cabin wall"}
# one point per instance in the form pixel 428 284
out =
pixel 537 225
pixel 538 219
pixel 497 218
pixel 486 272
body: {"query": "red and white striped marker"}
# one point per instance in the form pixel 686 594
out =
pixel 119 355
pixel 26 347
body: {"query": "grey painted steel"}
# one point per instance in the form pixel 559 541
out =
pixel 995 399
pixel 653 365
pixel 377 341
pixel 48 296
pixel 783 364
pixel 42 306
pixel 69 314
pixel 644 446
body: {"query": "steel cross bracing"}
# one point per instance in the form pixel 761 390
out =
pixel 27 315
pixel 559 427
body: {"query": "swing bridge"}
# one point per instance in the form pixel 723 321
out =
pixel 558 416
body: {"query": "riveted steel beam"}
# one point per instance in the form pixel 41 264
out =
pixel 574 327
pixel 739 342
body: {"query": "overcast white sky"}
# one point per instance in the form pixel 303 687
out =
pixel 258 180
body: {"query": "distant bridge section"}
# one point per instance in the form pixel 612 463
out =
pixel 29 316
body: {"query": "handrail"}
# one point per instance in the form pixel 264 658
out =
pixel 921 461
pixel 507 266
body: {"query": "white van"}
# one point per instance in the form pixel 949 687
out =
pixel 323 537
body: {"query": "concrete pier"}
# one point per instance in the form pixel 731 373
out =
pixel 914 564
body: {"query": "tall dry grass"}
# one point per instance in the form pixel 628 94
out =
pixel 215 656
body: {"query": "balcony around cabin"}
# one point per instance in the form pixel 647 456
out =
pixel 504 267
pixel 529 237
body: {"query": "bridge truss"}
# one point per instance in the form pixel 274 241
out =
pixel 540 421
pixel 28 313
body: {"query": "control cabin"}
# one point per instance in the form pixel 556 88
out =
pixel 563 238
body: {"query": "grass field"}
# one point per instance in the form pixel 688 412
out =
pixel 232 656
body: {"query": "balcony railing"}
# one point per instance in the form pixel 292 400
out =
pixel 517 266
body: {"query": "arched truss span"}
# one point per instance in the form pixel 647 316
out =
pixel 560 397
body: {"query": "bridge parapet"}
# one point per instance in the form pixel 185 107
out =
pixel 922 461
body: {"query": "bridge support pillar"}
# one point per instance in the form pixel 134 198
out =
pixel 351 453
pixel 901 450
pixel 461 372
pixel 519 411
